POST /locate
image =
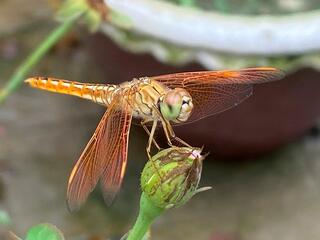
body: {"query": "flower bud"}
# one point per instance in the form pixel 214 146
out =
pixel 172 176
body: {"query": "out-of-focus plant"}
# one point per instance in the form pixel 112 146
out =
pixel 4 218
pixel 90 12
pixel 250 7
pixel 44 231
pixel 224 34
pixel 168 180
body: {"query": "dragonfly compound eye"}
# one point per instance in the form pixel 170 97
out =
pixel 176 105
pixel 170 105
pixel 186 108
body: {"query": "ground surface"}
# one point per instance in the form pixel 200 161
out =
pixel 41 135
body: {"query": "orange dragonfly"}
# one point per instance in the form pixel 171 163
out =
pixel 174 98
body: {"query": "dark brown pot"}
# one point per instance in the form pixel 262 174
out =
pixel 276 114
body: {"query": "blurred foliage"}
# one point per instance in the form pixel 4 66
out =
pixel 178 55
pixel 92 16
pixel 69 13
pixel 44 232
pixel 253 7
pixel 4 218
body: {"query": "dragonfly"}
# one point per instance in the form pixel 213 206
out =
pixel 164 100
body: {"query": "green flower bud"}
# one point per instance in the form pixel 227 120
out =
pixel 172 176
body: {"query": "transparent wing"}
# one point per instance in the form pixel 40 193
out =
pixel 95 158
pixel 85 174
pixel 216 91
pixel 115 153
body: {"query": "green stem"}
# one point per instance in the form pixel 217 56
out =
pixel 147 214
pixel 21 72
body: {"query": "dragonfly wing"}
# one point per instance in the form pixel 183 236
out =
pixel 85 174
pixel 99 157
pixel 222 97
pixel 115 152
pixel 216 91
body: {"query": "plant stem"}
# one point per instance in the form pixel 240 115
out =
pixel 21 72
pixel 147 214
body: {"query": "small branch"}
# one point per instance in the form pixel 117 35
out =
pixel 21 72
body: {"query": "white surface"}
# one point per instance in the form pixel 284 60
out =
pixel 267 35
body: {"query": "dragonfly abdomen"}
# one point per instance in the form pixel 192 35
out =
pixel 99 93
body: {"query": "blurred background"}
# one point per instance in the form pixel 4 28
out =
pixel 264 163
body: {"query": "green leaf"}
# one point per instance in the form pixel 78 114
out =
pixel 44 231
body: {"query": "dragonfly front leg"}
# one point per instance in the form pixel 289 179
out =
pixel 170 135
pixel 151 139
pixel 143 124
pixel 167 128
pixel 151 136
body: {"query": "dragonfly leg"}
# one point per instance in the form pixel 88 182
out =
pixel 171 135
pixel 181 141
pixel 153 129
pixel 151 139
pixel 143 124
pixel 165 125
pixel 166 130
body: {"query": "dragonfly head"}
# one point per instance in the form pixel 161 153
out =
pixel 176 105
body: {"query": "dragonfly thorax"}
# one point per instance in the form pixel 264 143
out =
pixel 176 105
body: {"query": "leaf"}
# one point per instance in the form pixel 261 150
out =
pixel 44 231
